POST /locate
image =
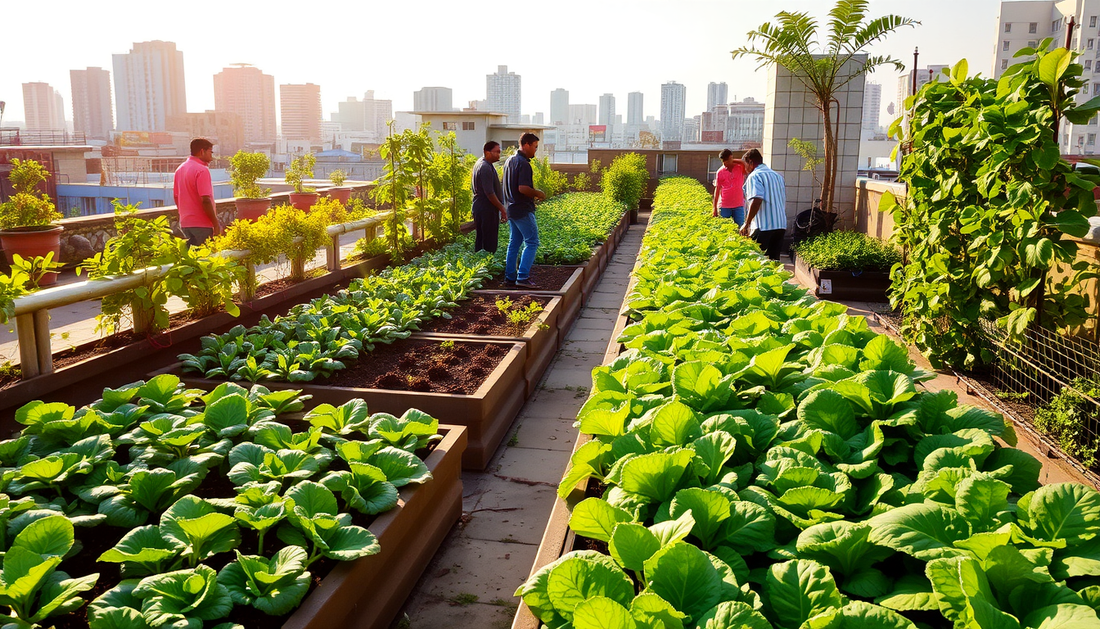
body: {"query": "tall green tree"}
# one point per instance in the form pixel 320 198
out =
pixel 793 42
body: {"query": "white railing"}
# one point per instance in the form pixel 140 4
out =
pixel 32 317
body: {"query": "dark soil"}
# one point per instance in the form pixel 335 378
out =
pixel 545 278
pixel 275 286
pixel 480 315
pixel 422 365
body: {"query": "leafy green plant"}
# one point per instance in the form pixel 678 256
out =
pixel 27 207
pixel 338 177
pixel 625 179
pixel 244 171
pixel 545 178
pixel 35 268
pixel 848 251
pixel 274 586
pixel 991 207
pixel 11 286
pixel 182 598
pixel 811 163
pixel 1070 419
pixel 203 279
pixel 300 169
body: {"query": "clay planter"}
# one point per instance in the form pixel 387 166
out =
pixel 541 343
pixel 487 414
pixel 367 593
pixel 31 242
pixel 251 209
pixel 343 195
pixel 843 285
pixel 102 369
pixel 571 298
pixel 303 200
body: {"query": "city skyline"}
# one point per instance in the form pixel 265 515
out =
pixel 700 59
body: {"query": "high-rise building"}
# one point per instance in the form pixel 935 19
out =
pixel 872 105
pixel 583 115
pixel 634 116
pixel 503 90
pixel 245 91
pixel 43 107
pixel 93 114
pixel 224 129
pixel 925 75
pixel 377 113
pixel 746 122
pixel 716 95
pixel 607 109
pixel 149 86
pixel 351 115
pixel 1025 24
pixel 432 99
pixel 559 107
pixel 539 118
pixel 300 112
pixel 673 104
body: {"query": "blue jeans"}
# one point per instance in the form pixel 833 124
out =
pixel 736 213
pixel 522 232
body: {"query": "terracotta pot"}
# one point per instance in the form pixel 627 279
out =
pixel 31 242
pixel 252 209
pixel 303 200
pixel 343 195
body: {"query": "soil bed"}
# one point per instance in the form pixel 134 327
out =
pixel 545 278
pixel 422 365
pixel 480 315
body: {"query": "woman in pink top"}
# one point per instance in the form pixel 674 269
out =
pixel 729 196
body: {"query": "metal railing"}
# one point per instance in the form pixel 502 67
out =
pixel 32 317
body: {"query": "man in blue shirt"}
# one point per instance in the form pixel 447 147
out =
pixel 766 195
pixel 519 199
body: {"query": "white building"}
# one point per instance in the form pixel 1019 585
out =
pixel 872 105
pixel 432 99
pixel 582 115
pixel 559 107
pixel 716 95
pixel 502 91
pixel 634 112
pixel 607 110
pixel 925 75
pixel 746 123
pixel 673 104
pixel 43 107
pixel 149 86
pixel 93 113
pixel 474 128
pixel 1025 24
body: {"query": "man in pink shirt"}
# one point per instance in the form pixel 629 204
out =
pixel 729 196
pixel 194 194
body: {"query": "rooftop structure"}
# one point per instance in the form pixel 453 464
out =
pixel 300 112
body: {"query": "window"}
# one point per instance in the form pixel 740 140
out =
pixel 87 206
pixel 1085 88
pixel 1054 26
pixel 1091 44
pixel 1088 64
pixel 450 126
pixel 1004 64
pixel 1095 90
pixel 1092 140
pixel 666 163
pixel 1032 43
pixel 713 164
pixel 1065 138
pixel 1004 45
pixel 1033 27
pixel 467 126
pixel 158 203
pixel 1008 27
pixel 1092 21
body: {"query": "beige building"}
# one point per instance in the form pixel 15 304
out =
pixel 93 114
pixel 225 130
pixel 474 128
pixel 43 107
pixel 149 86
pixel 300 112
pixel 244 91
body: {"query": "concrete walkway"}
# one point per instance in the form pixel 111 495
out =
pixel 489 553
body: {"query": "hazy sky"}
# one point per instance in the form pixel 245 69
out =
pixel 588 47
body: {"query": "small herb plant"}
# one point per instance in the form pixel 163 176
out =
pixel 1072 421
pixel 36 268
pixel 848 251
pixel 338 177
pixel 244 170
pixel 27 207
pixel 301 169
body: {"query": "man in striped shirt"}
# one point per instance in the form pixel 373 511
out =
pixel 766 194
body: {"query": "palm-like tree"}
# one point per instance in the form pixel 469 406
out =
pixel 790 42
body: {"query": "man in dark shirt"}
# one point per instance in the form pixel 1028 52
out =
pixel 489 210
pixel 519 198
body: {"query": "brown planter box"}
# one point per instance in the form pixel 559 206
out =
pixel 843 285
pixel 633 214
pixel 541 344
pixel 367 593
pixel 487 414
pixel 571 293
pixel 113 360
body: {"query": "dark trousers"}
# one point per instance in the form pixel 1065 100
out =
pixel 197 235
pixel 487 225
pixel 770 241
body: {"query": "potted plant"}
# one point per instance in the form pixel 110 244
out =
pixel 244 170
pixel 27 218
pixel 301 169
pixel 341 194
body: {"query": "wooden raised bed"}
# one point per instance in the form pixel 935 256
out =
pixel 541 340
pixel 843 285
pixel 367 593
pixel 571 294
pixel 487 413
pixel 111 361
